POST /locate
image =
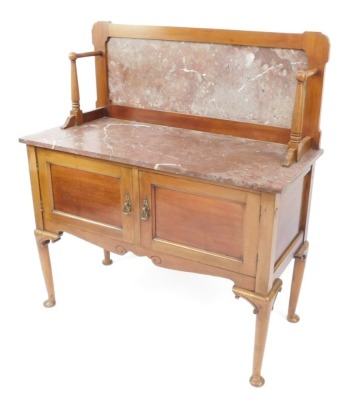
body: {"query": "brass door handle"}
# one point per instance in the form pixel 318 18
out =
pixel 127 205
pixel 145 211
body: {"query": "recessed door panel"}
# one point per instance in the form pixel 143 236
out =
pixel 201 222
pixel 87 194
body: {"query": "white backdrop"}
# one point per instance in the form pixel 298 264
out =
pixel 132 330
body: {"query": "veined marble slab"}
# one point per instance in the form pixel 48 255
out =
pixel 239 83
pixel 218 158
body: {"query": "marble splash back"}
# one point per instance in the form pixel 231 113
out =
pixel 239 83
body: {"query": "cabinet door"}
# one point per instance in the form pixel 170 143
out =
pixel 84 193
pixel 202 222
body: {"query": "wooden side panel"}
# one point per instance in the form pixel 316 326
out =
pixel 293 221
pixel 289 216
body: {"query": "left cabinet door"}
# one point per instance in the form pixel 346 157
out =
pixel 82 193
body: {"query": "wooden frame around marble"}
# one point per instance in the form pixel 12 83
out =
pixel 304 132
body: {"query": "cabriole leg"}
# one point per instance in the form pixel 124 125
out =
pixel 262 308
pixel 107 259
pixel 299 266
pixel 43 238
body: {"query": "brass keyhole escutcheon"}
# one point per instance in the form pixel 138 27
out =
pixel 127 205
pixel 145 211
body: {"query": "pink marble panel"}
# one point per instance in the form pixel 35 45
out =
pixel 245 163
pixel 240 83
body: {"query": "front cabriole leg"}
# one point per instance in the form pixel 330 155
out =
pixel 43 238
pixel 262 308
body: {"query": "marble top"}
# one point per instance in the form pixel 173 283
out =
pixel 224 159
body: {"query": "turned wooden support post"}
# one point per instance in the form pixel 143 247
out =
pixel 75 92
pixel 76 115
pixel 262 308
pixel 298 145
pixel 297 122
pixel 43 238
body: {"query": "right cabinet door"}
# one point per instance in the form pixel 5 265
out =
pixel 202 222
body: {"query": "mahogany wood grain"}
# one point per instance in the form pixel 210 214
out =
pixel 239 234
pixel 35 186
pixel 86 195
pixel 267 243
pixel 84 192
pixel 289 216
pixel 199 221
